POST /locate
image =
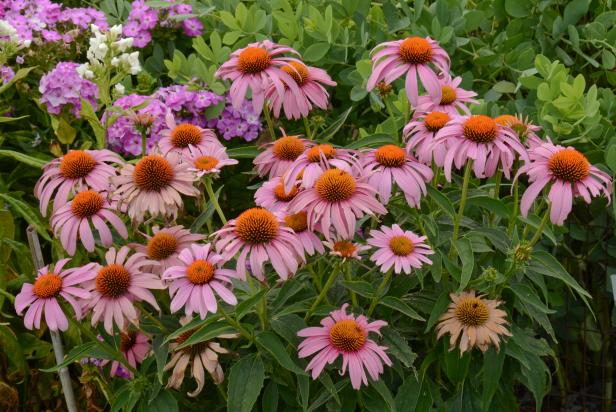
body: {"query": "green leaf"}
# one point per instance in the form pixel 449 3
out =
pixel 518 8
pixel 269 401
pixel 399 347
pixel 437 310
pixel 414 395
pixel 374 140
pixel 359 286
pixel 161 350
pixel 87 350
pixel 442 200
pixel 24 158
pixel 270 342
pixel 546 264
pixel 385 393
pixel 244 152
pixel 4 119
pixel 316 52
pixel 64 132
pixel 164 402
pixel 287 327
pixel 28 213
pixel 245 306
pixel 574 10
pixel 11 345
pixel 303 383
pixel 333 128
pixel 504 86
pixel 495 206
pixel 465 252
pixel 492 370
pixel 245 382
pixel 207 332
pixel 400 306
pixel 88 113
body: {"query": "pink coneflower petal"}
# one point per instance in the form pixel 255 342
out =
pixel 484 141
pixel 453 99
pixel 165 245
pixel 260 236
pixel 310 81
pixel 77 170
pixel 73 221
pixel 342 334
pixel 391 164
pixel 570 175
pixel 180 138
pixel 134 345
pixel 154 186
pixel 256 67
pixel 193 281
pixel 415 56
pixel 118 284
pixel 420 133
pixel 336 202
pixel 398 249
pixel 41 298
pixel 280 155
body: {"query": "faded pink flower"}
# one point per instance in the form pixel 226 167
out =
pixel 75 171
pixel 399 249
pixel 117 285
pixel 280 155
pixel 310 81
pixel 453 98
pixel 209 159
pixel 420 133
pixel 569 175
pixel 345 249
pixel 196 278
pixel 342 334
pixel 180 137
pixel 74 221
pixel 413 56
pixel 391 164
pixel 482 140
pixel 298 222
pixel 337 201
pixel 272 195
pixel 154 186
pixel 255 67
pixel 134 345
pixel 164 246
pixel 42 296
pixel 526 131
pixel 260 236
pixel 314 161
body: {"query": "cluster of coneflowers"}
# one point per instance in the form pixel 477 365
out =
pixel 314 198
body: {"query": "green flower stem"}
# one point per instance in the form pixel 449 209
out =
pixel 144 148
pixel 212 195
pixel 437 176
pixel 307 127
pixel 347 277
pixel 379 292
pixel 539 231
pixel 268 119
pixel 319 299
pixel 497 183
pixel 236 324
pixel 516 207
pixel 458 217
